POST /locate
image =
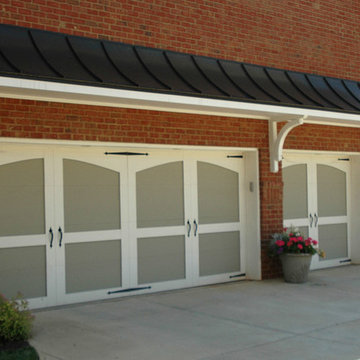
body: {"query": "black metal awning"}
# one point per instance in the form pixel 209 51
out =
pixel 48 56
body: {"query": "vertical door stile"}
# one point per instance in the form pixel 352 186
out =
pixel 50 219
pixel 348 208
pixel 242 215
pixel 312 199
pixel 132 243
pixel 59 222
pixel 191 211
pixel 125 224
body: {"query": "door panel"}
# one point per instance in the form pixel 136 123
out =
pixel 219 253
pixel 23 269
pixel 161 259
pixel 218 194
pixel 27 262
pixel 295 192
pixel 188 217
pixel 331 191
pixel 160 196
pixel 91 197
pixel 82 275
pixel 22 189
pixel 217 213
pixel 333 240
pixel 158 201
pixel 92 215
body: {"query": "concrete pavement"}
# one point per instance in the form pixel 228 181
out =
pixel 243 320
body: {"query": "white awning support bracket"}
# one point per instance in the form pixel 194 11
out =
pixel 276 140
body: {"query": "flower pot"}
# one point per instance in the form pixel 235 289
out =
pixel 296 267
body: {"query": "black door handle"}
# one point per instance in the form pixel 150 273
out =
pixel 189 228
pixel 196 227
pixel 61 236
pixel 51 236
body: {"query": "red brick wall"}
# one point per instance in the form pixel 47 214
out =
pixel 316 36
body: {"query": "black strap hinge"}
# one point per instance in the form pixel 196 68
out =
pixel 129 290
pixel 126 153
pixel 237 275
pixel 344 261
pixel 235 156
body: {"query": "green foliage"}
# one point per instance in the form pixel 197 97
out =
pixel 291 241
pixel 15 319
pixel 27 353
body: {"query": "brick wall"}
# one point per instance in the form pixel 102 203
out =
pixel 316 36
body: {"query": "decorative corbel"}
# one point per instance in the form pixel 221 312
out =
pixel 276 140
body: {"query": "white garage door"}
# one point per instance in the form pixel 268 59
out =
pixel 79 224
pixel 316 193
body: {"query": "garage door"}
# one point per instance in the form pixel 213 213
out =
pixel 316 193
pixel 80 224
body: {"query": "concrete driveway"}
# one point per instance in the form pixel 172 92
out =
pixel 243 320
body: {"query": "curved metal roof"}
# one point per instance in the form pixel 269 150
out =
pixel 44 55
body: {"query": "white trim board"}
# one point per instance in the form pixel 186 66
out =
pixel 109 144
pixel 91 95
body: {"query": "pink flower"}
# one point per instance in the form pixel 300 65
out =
pixel 294 239
pixel 280 242
pixel 314 242
pixel 307 242
pixel 289 243
pixel 300 238
pixel 300 246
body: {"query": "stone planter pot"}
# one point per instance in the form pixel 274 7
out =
pixel 296 267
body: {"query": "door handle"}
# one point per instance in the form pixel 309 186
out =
pixel 316 219
pixel 196 227
pixel 189 228
pixel 51 236
pixel 311 220
pixel 61 235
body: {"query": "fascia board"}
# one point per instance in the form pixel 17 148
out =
pixel 100 96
